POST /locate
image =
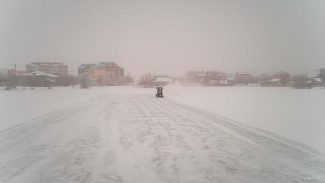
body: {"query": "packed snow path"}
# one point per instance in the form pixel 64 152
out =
pixel 143 139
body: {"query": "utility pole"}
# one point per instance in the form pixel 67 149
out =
pixel 14 78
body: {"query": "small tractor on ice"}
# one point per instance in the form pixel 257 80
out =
pixel 159 92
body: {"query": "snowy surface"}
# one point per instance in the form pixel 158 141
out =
pixel 298 114
pixel 18 106
pixel 125 134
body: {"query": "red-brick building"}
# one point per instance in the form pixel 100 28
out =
pixel 105 73
pixel 18 72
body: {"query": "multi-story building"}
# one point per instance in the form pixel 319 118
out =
pixel 11 72
pixel 211 77
pixel 243 78
pixel 55 68
pixel 105 73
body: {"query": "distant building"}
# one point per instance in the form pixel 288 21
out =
pixel 152 80
pixel 4 79
pixel 105 73
pixel 212 77
pixel 146 81
pixel 284 77
pixel 220 78
pixel 18 72
pixel 55 68
pixel 115 74
pixel 36 79
pixel 243 78
pixel 274 82
pixel 278 79
pixel 314 82
pixel 161 80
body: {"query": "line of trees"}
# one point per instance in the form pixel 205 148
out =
pixel 281 78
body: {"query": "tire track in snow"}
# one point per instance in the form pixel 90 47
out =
pixel 140 138
pixel 69 145
pixel 190 145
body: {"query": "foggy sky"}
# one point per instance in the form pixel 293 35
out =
pixel 167 37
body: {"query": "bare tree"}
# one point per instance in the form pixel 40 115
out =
pixel 300 82
pixel 83 80
pixel 66 80
pixel 321 74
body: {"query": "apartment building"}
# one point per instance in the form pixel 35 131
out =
pixel 56 68
pixel 105 73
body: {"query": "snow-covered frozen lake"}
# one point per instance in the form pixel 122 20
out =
pixel 23 104
pixel 126 135
pixel 295 114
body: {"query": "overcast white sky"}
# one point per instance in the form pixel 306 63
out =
pixel 166 36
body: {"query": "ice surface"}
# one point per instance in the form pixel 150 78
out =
pixel 297 114
pixel 20 105
pixel 125 134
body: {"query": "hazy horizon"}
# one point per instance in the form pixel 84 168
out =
pixel 167 37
